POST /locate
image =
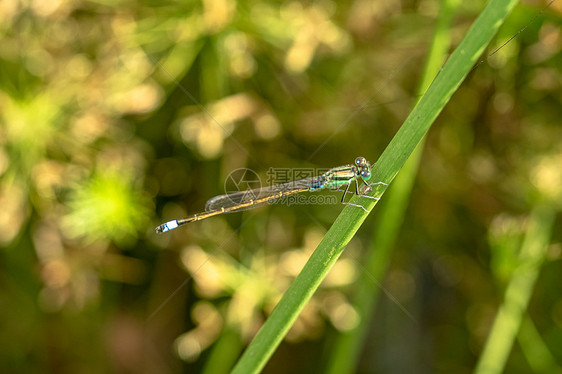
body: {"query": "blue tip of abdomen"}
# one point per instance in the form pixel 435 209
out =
pixel 170 225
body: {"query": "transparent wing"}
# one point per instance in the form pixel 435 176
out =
pixel 261 196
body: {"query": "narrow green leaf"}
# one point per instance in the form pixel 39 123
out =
pixel 344 354
pixel 391 161
pixel 518 292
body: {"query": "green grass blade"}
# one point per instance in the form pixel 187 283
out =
pixel 536 351
pixel 391 161
pixel 344 354
pixel 224 353
pixel 518 292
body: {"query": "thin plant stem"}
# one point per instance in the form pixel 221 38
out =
pixel 518 292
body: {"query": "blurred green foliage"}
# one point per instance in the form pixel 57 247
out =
pixel 117 116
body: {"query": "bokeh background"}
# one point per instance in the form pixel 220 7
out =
pixel 116 116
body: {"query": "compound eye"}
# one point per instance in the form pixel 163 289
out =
pixel 365 173
pixel 360 161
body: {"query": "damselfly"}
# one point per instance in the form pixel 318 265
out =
pixel 334 179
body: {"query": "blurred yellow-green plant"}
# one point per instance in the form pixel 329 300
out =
pixel 117 116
